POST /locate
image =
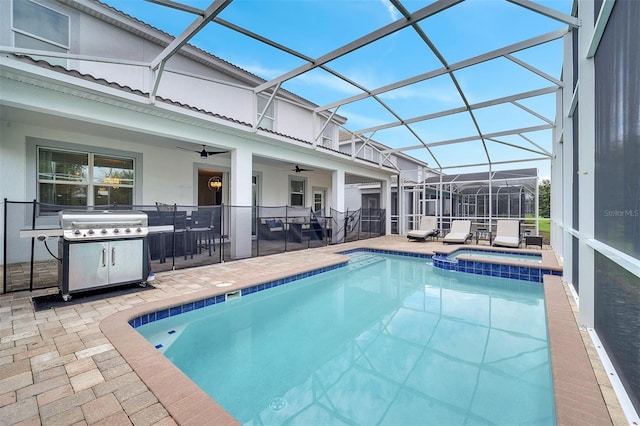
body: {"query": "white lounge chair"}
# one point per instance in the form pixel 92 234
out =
pixel 507 233
pixel 428 228
pixel 460 232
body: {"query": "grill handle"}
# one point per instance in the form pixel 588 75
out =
pixel 104 257
pixel 102 224
pixel 113 256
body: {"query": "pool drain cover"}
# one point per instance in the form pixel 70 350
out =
pixel 277 403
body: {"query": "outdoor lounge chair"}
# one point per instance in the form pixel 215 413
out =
pixel 428 228
pixel 507 234
pixel 460 232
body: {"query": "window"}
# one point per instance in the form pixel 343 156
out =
pixel 269 118
pixel 368 153
pixel 38 27
pixel 318 201
pixel 79 179
pixel 296 191
pixel 327 136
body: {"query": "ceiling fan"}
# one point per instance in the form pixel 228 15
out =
pixel 204 153
pixel 299 169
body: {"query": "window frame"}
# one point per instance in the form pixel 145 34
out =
pixel 303 193
pixel 367 153
pixel 32 167
pixel 90 182
pixel 26 33
pixel 327 136
pixel 271 117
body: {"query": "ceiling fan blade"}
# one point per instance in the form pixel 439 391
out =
pixel 187 149
pixel 299 169
pixel 204 153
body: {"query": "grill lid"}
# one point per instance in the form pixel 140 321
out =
pixel 82 225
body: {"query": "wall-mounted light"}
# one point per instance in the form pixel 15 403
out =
pixel 214 184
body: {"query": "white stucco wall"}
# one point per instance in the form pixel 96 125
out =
pixel 41 108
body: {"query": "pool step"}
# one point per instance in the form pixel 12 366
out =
pixel 360 260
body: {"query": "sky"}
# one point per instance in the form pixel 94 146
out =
pixel 316 27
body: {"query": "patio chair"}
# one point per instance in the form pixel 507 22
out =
pixel 460 232
pixel 428 228
pixel 507 233
pixel 201 231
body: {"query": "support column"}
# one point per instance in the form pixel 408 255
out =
pixel 586 167
pixel 385 201
pixel 566 183
pixel 240 211
pixel 491 200
pixel 557 186
pixel 537 205
pixel 337 198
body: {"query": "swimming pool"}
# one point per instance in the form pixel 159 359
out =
pixel 496 255
pixel 387 339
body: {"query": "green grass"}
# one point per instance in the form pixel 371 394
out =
pixel 544 227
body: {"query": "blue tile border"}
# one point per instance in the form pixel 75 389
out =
pixel 477 250
pixel 440 261
pixel 214 300
pixel 524 273
pixel 397 253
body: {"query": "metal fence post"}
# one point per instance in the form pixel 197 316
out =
pixel 4 251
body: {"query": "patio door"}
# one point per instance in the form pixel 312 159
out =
pixel 319 195
pixel 210 187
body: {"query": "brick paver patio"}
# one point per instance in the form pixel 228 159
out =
pixel 58 368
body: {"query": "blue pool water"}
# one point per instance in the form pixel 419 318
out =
pixel 385 340
pixel 496 255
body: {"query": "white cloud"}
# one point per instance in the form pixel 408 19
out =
pixel 393 12
pixel 327 81
pixel 443 94
pixel 261 71
pixel 359 121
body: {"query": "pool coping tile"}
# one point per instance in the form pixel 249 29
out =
pixel 162 377
pixel 577 393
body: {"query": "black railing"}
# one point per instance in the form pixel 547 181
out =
pixel 199 235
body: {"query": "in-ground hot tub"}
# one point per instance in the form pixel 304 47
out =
pixel 496 255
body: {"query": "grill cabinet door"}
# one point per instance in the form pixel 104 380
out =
pixel 125 261
pixel 88 265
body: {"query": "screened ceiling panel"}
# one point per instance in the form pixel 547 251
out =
pixel 467 29
pixel 502 117
pixel 455 72
pixel 365 114
pixel 396 137
pixel 496 79
pixel 423 155
pixel 319 26
pixel 446 154
pixel 425 97
pixel 308 84
pixel 546 57
pixel 441 129
pixel 375 64
pixel 543 104
pixel 265 61
pixel 500 150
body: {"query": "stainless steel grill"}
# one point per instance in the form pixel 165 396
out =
pixel 78 226
pixel 101 249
